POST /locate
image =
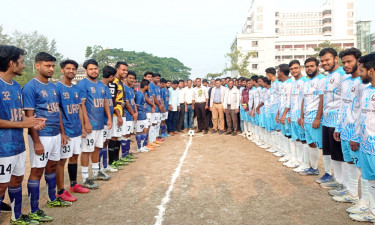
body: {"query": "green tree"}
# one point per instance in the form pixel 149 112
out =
pixel 327 44
pixel 4 38
pixel 239 62
pixel 140 62
pixel 213 75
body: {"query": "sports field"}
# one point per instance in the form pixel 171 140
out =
pixel 218 179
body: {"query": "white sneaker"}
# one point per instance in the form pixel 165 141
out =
pixel 279 154
pixel 284 159
pixel 264 146
pixel 358 208
pixel 145 148
pixel 242 134
pixel 367 216
pixel 347 198
pixel 300 168
pixel 142 150
pixel 272 150
pixel 291 164
pixel 110 169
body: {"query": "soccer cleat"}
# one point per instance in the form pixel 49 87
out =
pixel 116 165
pixel 78 189
pixel 158 141
pixel 272 150
pixel 40 216
pixel 301 168
pixel 131 156
pixel 358 208
pixel 90 184
pixel 23 220
pixel 58 203
pixel 341 190
pixel 122 163
pixel 367 216
pixel 265 146
pixel 330 185
pixel 325 178
pixel 66 196
pixel 284 159
pixel 279 154
pixel 149 147
pixel 142 150
pixel 310 172
pixel 126 160
pixel 154 144
pixel 291 164
pixel 347 198
pixel 110 169
pixel 101 176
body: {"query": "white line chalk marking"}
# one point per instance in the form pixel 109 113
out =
pixel 176 174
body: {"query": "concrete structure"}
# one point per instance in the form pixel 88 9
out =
pixel 80 74
pixel 372 42
pixel 279 36
pixel 364 35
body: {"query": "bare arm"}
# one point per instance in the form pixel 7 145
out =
pixel 108 113
pixel 38 147
pixel 316 122
pixel 86 121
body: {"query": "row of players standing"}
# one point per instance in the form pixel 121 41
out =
pixel 294 119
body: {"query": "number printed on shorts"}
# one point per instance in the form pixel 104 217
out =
pixel 355 160
pixel 142 126
pixel 104 133
pixel 119 129
pixel 66 149
pixel 44 157
pixel 3 170
pixel 129 128
pixel 90 142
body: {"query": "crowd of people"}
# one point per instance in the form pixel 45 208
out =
pixel 291 117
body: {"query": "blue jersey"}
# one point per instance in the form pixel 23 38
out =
pixel 12 142
pixel 69 107
pixel 94 94
pixel 155 92
pixel 165 96
pixel 44 100
pixel 110 103
pixel 129 94
pixel 142 105
pixel 149 95
pixel 365 125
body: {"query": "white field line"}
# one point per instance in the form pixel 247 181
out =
pixel 176 174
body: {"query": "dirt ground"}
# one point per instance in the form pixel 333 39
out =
pixel 223 180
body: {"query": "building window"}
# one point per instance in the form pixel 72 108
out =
pixel 254 66
pixel 254 44
pixel 255 55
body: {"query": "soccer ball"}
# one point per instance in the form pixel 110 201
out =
pixel 191 133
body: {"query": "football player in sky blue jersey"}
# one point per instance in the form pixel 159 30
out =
pixel 151 107
pixel 12 148
pixel 331 106
pixel 71 111
pixel 94 105
pixel 40 98
pixel 363 140
pixel 130 110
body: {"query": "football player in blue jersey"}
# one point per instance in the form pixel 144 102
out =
pixel 151 107
pixel 164 93
pixel 12 149
pixel 40 98
pixel 70 108
pixel 142 122
pixel 95 106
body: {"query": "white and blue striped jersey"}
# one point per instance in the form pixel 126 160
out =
pixel 332 97
pixel 267 100
pixel 312 90
pixel 275 96
pixel 365 126
pixel 12 142
pixel 350 107
pixel 296 98
pixel 251 97
pixel 257 94
pixel 285 90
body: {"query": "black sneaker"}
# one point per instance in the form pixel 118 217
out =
pixel 206 132
pixel 199 131
pixel 234 133
pixel 5 207
pixel 213 131
pixel 221 132
pixel 228 133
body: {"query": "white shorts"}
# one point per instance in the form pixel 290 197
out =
pixel 106 134
pixel 117 131
pixel 92 140
pixel 155 117
pixel 12 165
pixel 72 147
pixel 140 125
pixel 52 147
pixel 164 116
pixel 148 118
pixel 129 128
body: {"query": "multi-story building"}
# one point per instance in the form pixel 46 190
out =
pixel 364 35
pixel 278 36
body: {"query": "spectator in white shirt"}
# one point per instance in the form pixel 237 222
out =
pixel 189 106
pixel 181 107
pixel 231 107
pixel 200 106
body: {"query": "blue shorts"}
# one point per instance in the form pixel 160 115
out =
pixel 261 119
pixel 256 119
pixel 270 122
pixel 285 129
pixel 314 135
pixel 349 155
pixel 242 113
pixel 297 132
pixel 367 165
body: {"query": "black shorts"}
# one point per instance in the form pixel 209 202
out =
pixel 330 146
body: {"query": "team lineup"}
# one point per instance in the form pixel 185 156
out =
pixel 92 123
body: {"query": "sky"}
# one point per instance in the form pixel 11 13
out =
pixel 197 32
